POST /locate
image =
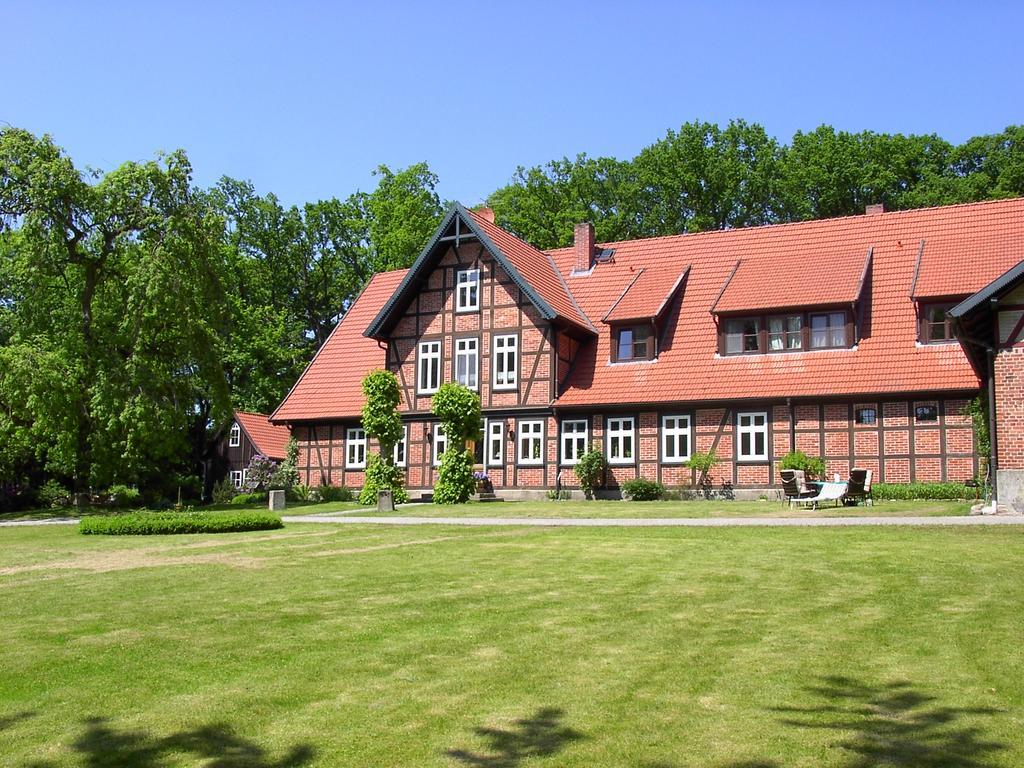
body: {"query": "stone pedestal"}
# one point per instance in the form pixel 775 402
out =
pixel 276 501
pixel 385 501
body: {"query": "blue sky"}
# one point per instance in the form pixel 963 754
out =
pixel 306 98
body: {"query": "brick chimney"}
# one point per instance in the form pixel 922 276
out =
pixel 874 209
pixel 485 213
pixel 583 242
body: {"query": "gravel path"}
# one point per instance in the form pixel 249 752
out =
pixel 656 522
pixel 614 522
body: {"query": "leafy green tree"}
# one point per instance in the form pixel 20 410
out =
pixel 458 408
pixel 705 177
pixel 543 204
pixel 382 422
pixel 827 173
pixel 403 212
pixel 113 286
pixel 991 166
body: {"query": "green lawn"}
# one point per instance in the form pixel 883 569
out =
pixel 381 646
pixel 671 509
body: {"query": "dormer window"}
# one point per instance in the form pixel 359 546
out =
pixel 789 332
pixel 633 342
pixel 467 295
pixel 936 325
pixel 828 330
pixel 743 335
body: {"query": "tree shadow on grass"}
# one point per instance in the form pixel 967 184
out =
pixel 102 746
pixel 537 736
pixel 891 724
pixel 7 721
pixel 896 724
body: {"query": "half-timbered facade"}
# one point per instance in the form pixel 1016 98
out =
pixel 831 337
pixel 249 435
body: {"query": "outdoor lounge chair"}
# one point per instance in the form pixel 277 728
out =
pixel 794 486
pixel 828 492
pixel 859 486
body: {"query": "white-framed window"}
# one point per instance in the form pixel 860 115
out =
pixel 245 476
pixel 467 290
pixel 495 445
pixel 752 436
pixel 440 444
pixel 235 439
pixel 355 448
pixel 675 439
pixel 621 440
pixel 467 358
pixel 236 478
pixel 401 447
pixel 531 442
pixel 505 351
pixel 428 377
pixel 574 440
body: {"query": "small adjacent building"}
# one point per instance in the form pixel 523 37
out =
pixel 251 434
pixel 835 337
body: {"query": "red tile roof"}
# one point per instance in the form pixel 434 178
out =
pixel 962 254
pixel 887 359
pixel 801 274
pixel 268 439
pixel 649 294
pixel 330 387
pixel 538 269
pixel 801 264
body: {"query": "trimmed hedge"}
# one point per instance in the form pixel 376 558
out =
pixel 245 499
pixel 154 523
pixel 904 491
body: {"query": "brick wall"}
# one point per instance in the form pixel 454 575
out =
pixel 1009 387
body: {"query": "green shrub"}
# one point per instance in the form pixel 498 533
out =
pixel 303 493
pixel 224 492
pixel 703 463
pixel 153 523
pixel 902 491
pixel 52 494
pixel 246 499
pixel 455 483
pixel 381 475
pixel 589 470
pixel 122 496
pixel 811 465
pixel 563 495
pixel 642 490
pixel 332 493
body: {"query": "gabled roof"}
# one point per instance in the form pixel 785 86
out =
pixel 804 257
pixel 648 296
pixel 530 269
pixel 802 277
pixel 330 387
pixel 267 438
pixel 994 290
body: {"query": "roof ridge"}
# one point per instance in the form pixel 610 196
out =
pixel 805 222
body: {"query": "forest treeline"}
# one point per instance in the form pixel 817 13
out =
pixel 138 309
